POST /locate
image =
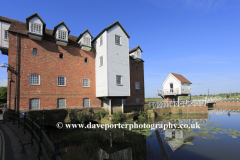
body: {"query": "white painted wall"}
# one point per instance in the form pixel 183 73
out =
pixel 101 71
pixel 118 62
pixel 3 26
pixel 81 41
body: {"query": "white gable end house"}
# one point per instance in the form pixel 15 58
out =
pixel 175 85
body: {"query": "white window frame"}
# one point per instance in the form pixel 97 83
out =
pixel 30 104
pixel 6 35
pixel 88 82
pixel 116 38
pixel 138 100
pixel 58 103
pixel 86 41
pixel 119 84
pixel 33 51
pixel 101 41
pixel 60 35
pixel 37 28
pixel 101 61
pixel 64 81
pixel 31 81
pixel 88 102
pixel 137 85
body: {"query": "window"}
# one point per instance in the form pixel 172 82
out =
pixel 34 79
pixel 101 41
pixel 86 41
pixel 61 81
pixel 86 82
pixel 62 35
pixel 61 103
pixel 124 101
pixel 119 80
pixel 137 85
pixel 85 60
pixel 34 103
pixel 86 102
pixel 34 51
pixel 137 100
pixel 35 28
pixel 138 54
pixel 60 56
pixel 117 39
pixel 101 61
pixel 6 36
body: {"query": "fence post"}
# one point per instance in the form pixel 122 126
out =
pixel 40 140
pixel 57 151
pixel 32 131
pixel 24 128
pixel 18 119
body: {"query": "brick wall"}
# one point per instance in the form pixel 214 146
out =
pixel 48 65
pixel 198 109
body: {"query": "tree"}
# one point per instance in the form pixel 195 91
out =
pixel 3 94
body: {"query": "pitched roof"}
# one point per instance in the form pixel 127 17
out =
pixel 80 36
pixel 109 27
pixel 20 27
pixel 61 23
pixel 181 78
pixel 134 49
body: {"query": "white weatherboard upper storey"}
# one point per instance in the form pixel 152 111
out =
pixel 115 62
pixel 136 54
pixel 3 27
pixel 81 41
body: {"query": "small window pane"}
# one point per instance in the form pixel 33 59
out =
pixel 86 60
pixel 60 56
pixel 86 102
pixel 137 85
pixel 119 80
pixel 101 61
pixel 34 103
pixel 101 41
pixel 137 100
pixel 61 81
pixel 34 79
pixel 61 103
pixel 117 39
pixel 6 35
pixel 85 82
pixel 86 41
pixel 35 51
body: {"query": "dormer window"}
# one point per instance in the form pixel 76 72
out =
pixel 62 35
pixel 84 40
pixel 35 28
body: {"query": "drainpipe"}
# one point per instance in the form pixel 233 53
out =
pixel 16 81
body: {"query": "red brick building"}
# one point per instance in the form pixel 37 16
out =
pixel 58 70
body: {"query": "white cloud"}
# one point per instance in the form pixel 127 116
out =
pixel 3 82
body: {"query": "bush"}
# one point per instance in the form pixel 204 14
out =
pixel 170 112
pixel 3 94
pixel 117 116
pixel 180 110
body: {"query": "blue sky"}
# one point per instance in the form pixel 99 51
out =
pixel 199 39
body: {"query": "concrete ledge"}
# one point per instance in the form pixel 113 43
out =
pixel 199 109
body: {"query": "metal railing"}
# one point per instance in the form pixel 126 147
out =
pixel 38 137
pixel 186 103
